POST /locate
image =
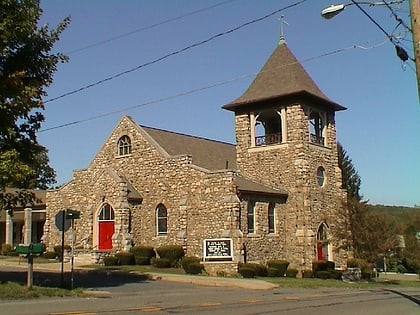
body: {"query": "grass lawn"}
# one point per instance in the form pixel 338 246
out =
pixel 12 290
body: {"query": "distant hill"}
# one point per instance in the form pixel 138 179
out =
pixel 403 214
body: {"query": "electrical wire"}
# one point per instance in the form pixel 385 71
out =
pixel 189 92
pixel 174 53
pixel 397 18
pixel 99 43
pixel 401 53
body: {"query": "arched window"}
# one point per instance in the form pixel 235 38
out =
pixel 161 219
pixel 316 128
pixel 106 213
pixel 268 128
pixel 124 145
pixel 271 218
pixel 251 216
pixel 322 243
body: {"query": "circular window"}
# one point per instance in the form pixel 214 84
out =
pixel 320 176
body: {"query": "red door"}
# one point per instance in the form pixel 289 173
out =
pixel 106 230
pixel 319 249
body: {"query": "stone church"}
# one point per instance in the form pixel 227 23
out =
pixel 276 194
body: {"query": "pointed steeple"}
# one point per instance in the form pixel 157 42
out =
pixel 282 78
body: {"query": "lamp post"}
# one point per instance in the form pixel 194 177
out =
pixel 335 9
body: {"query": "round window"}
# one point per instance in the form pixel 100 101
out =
pixel 320 176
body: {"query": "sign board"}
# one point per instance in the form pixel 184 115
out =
pixel 61 221
pixel 218 249
pixel 34 248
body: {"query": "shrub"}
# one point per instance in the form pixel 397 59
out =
pixel 173 253
pixel 279 264
pixel 335 274
pixel 6 249
pixel 111 261
pixel 125 258
pixel 307 274
pixel 49 255
pixel 145 251
pixel 195 268
pixel 273 272
pixel 162 263
pixel 291 272
pixel 322 265
pixel 187 260
pixel 322 274
pixel 58 250
pixel 247 272
pixel 141 260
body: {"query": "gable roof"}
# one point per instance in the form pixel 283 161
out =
pixel 209 154
pixel 282 77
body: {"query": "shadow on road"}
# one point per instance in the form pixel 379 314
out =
pixel 81 278
pixel 414 299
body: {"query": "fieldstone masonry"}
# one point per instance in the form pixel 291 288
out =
pixel 205 203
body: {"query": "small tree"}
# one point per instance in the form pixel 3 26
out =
pixel 26 69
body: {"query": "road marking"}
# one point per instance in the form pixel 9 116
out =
pixel 147 308
pixel 252 301
pixel 209 304
pixel 73 313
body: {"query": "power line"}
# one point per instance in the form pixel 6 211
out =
pixel 99 43
pixel 401 53
pixel 173 53
pixel 189 92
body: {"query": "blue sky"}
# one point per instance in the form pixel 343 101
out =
pixel 380 130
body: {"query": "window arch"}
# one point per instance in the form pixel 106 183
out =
pixel 317 127
pixel 161 219
pixel 267 128
pixel 124 145
pixel 106 213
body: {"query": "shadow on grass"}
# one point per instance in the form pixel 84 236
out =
pixel 81 278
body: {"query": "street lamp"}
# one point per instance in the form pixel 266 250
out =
pixel 335 9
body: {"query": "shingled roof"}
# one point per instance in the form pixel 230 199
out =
pixel 209 154
pixel 282 77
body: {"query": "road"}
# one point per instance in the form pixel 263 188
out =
pixel 118 295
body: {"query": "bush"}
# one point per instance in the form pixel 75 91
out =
pixel 273 272
pixel 322 265
pixel 187 260
pixel 247 272
pixel 57 250
pixel 161 263
pixel 141 260
pixel 195 268
pixel 173 253
pixel 144 251
pixel 307 274
pixel 279 264
pixel 49 255
pixel 111 261
pixel 291 272
pixel 6 249
pixel 322 274
pixel 125 258
pixel 335 274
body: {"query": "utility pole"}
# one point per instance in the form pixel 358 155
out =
pixel 415 27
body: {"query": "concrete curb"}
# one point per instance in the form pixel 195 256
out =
pixel 252 284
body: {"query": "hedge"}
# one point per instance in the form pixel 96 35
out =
pixel 161 262
pixel 187 261
pixel 145 251
pixel 195 268
pixel 125 258
pixel 279 264
pixel 291 272
pixel 246 272
pixel 111 261
pixel 173 253
pixel 141 260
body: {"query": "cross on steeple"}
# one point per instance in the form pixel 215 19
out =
pixel 282 22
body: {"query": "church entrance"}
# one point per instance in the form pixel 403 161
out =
pixel 322 243
pixel 105 227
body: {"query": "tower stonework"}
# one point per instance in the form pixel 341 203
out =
pixel 286 138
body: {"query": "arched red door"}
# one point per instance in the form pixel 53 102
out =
pixel 106 227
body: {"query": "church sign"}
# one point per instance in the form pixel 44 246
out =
pixel 218 249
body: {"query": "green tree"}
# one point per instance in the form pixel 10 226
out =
pixel 26 69
pixel 350 178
